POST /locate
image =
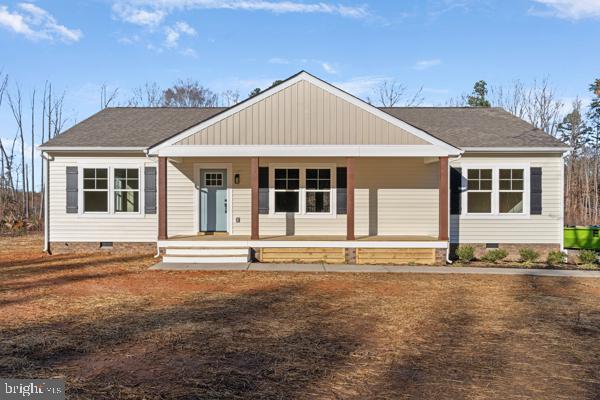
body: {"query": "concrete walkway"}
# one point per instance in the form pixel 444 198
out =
pixel 372 268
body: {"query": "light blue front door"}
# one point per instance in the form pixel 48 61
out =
pixel 213 200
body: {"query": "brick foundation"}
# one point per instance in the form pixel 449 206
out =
pixel 93 247
pixel 440 256
pixel 511 248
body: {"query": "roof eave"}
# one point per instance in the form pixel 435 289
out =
pixel 516 149
pixel 91 148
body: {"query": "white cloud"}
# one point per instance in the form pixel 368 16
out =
pixel 172 34
pixel 35 23
pixel 361 86
pixel 183 27
pixel 138 16
pixel 328 68
pixel 153 12
pixel 568 9
pixel 425 64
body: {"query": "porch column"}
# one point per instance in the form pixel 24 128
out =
pixel 162 198
pixel 254 198
pixel 443 201
pixel 350 198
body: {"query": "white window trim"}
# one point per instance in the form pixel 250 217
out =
pixel 495 214
pixel 111 178
pixel 302 190
pixel 83 190
pixel 138 190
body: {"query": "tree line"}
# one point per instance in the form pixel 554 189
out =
pixel 39 116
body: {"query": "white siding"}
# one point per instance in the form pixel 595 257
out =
pixel 405 202
pixel 96 228
pixel 545 228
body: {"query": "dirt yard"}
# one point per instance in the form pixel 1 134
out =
pixel 113 329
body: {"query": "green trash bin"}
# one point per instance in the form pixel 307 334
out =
pixel 582 237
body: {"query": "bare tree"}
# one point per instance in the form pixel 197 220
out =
pixel 514 99
pixel 33 152
pixel 544 107
pixel 189 93
pixel 230 97
pixel 107 98
pixel 149 95
pixel 392 93
pixel 538 104
pixel 16 106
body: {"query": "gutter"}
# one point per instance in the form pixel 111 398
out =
pixel 89 148
pixel 517 149
pixel 47 159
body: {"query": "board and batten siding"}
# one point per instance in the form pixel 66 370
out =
pixel 99 227
pixel 393 196
pixel 302 114
pixel 535 229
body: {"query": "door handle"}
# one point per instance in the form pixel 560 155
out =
pixel 225 206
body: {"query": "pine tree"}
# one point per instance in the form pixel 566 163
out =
pixel 477 98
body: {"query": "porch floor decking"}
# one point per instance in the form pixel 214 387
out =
pixel 304 238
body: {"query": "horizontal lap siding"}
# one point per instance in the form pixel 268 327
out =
pixel 545 228
pixel 407 197
pixel 181 195
pixel 406 189
pixel 105 228
pixel 302 114
pixel 180 198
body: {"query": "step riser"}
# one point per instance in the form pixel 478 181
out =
pixel 205 260
pixel 206 252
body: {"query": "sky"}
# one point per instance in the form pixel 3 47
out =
pixel 443 46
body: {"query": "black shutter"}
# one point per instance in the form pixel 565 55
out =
pixel 150 190
pixel 455 190
pixel 535 194
pixel 72 190
pixel 341 191
pixel 263 190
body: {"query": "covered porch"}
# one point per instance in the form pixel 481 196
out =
pixel 391 199
pixel 385 210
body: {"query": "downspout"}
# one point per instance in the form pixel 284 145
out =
pixel 448 260
pixel 147 153
pixel 47 159
pixel 562 204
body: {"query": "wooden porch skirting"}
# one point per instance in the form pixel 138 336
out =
pixel 399 256
pixel 392 250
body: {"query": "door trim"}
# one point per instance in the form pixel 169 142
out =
pixel 197 184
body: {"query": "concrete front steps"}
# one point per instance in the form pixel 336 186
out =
pixel 206 255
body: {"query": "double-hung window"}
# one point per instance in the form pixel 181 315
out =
pixel 479 194
pixel 497 191
pixel 287 190
pixel 95 190
pixel 511 191
pixel 127 189
pixel 318 190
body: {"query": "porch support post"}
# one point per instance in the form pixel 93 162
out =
pixel 162 198
pixel 254 198
pixel 350 198
pixel 443 201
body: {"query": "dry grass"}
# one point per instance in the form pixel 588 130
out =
pixel 114 329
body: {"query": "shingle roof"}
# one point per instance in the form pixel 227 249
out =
pixel 462 127
pixel 131 126
pixel 475 127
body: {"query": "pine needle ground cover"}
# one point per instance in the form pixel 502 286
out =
pixel 113 329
